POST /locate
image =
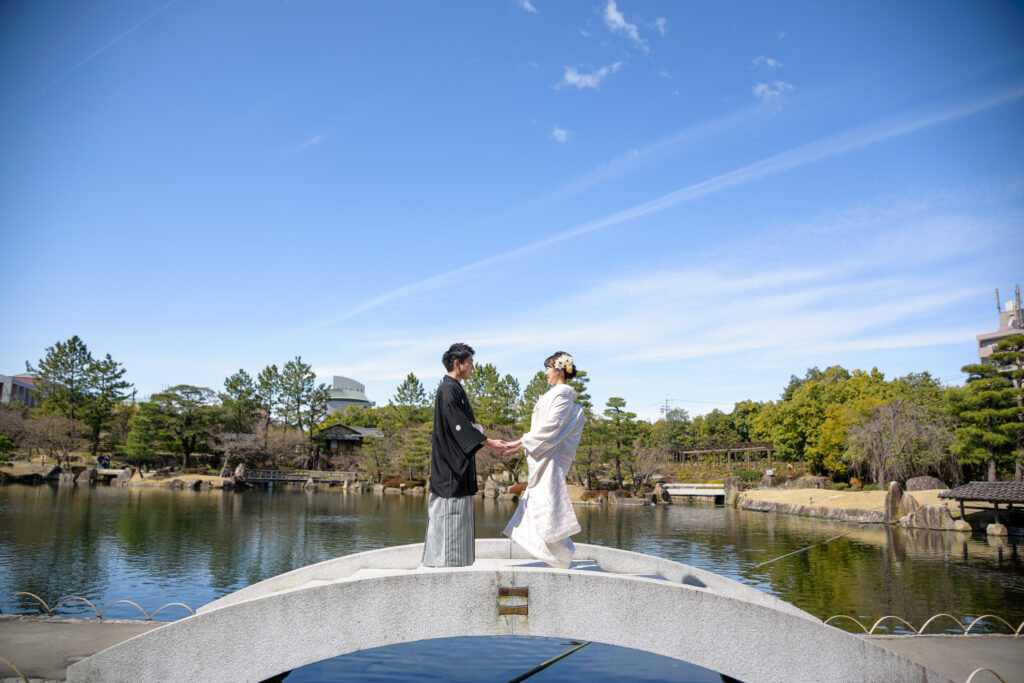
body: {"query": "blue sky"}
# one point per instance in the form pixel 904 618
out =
pixel 697 200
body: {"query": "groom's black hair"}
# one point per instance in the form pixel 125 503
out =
pixel 456 352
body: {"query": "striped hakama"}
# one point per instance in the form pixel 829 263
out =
pixel 450 532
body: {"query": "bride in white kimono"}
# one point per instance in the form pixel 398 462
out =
pixel 544 520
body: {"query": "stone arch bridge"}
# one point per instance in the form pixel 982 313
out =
pixel 383 597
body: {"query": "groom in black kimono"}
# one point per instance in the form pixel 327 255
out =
pixel 455 441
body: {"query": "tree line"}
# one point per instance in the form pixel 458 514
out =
pixel 832 422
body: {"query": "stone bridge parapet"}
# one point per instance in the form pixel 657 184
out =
pixel 383 597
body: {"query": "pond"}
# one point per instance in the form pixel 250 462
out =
pixel 156 546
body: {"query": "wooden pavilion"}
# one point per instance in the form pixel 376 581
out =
pixel 996 493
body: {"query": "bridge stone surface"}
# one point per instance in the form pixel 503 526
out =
pixel 383 597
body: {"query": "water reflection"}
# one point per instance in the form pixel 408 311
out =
pixel 156 546
pixel 500 659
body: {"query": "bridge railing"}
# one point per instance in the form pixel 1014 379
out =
pixel 685 489
pixel 299 475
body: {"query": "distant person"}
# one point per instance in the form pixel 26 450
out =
pixel 544 521
pixel 451 531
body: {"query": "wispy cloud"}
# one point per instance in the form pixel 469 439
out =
pixel 309 143
pixel 833 146
pixel 106 47
pixel 769 62
pixel 771 93
pixel 313 141
pixel 576 79
pixel 526 6
pixel 661 26
pixel 560 134
pixel 617 23
pixel 781 35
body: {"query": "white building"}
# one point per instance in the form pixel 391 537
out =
pixel 1010 323
pixel 347 392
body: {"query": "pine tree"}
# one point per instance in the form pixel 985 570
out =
pixel 63 375
pixel 410 401
pixel 619 432
pixel 241 401
pixel 1009 357
pixel 983 406
pixel 188 417
pixel 106 389
pixel 415 454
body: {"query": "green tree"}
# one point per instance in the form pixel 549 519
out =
pixel 482 388
pixel 507 400
pixel 983 407
pixel 145 434
pixel 241 401
pixel 6 448
pixel 674 430
pixel 580 383
pixel 268 395
pixel 744 414
pixel 303 402
pixel 410 392
pixel 714 429
pixel 619 432
pixel 415 454
pixel 64 378
pixel 537 387
pixel 189 417
pixel 106 389
pixel 375 460
pixel 794 422
pixel 411 400
pixel 1008 356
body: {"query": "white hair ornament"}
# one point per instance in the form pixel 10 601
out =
pixel 564 362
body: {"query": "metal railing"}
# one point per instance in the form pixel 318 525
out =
pixel 298 476
pixel 918 632
pixel 694 489
pixel 99 613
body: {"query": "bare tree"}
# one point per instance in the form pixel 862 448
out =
pixel 646 462
pixel 902 441
pixel 14 422
pixel 56 436
pixel 286 446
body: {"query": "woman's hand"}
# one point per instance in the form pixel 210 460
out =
pixel 512 447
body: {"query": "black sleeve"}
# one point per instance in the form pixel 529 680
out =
pixel 458 422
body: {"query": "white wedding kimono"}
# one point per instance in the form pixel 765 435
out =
pixel 544 520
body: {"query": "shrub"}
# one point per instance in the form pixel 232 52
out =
pixel 840 486
pixel 870 487
pixel 518 488
pixel 749 475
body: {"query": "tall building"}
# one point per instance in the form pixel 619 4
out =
pixel 18 388
pixel 1010 323
pixel 347 392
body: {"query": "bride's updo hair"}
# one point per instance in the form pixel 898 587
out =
pixel 564 362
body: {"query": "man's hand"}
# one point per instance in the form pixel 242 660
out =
pixel 496 445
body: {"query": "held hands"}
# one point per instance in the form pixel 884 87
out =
pixel 503 448
pixel 496 445
pixel 511 447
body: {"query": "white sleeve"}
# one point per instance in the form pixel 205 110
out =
pixel 550 427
